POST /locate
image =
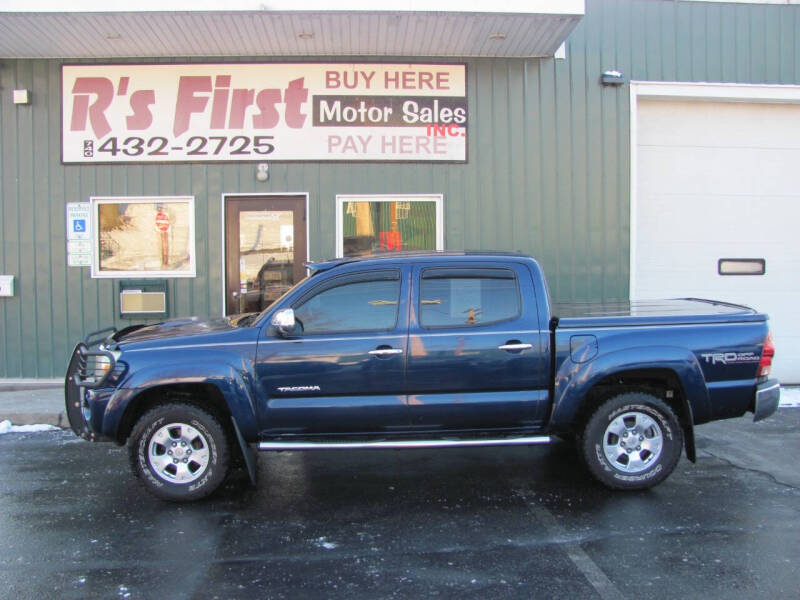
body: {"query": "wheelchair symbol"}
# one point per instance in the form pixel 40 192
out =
pixel 79 225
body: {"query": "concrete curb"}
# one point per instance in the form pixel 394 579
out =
pixel 16 385
pixel 27 405
pixel 59 419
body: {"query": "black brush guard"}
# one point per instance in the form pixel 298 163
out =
pixel 87 370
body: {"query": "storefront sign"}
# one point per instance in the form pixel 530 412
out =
pixel 79 237
pixel 259 112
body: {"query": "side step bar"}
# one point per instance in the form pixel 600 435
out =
pixel 399 444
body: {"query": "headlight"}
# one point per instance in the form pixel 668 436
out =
pixel 102 364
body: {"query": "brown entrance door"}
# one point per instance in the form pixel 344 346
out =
pixel 265 248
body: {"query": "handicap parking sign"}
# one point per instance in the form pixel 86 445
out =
pixel 78 222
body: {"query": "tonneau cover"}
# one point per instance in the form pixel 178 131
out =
pixel 652 312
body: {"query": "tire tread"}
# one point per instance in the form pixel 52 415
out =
pixel 222 442
pixel 670 454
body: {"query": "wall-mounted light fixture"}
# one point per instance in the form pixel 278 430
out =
pixel 262 172
pixel 612 77
pixel 22 97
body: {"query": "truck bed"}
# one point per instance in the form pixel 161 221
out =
pixel 679 311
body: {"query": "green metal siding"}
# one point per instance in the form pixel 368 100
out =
pixel 547 174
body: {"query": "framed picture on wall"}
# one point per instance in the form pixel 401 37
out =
pixel 143 236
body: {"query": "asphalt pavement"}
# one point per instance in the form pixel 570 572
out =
pixel 462 523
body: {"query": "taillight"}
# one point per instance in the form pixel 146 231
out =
pixel 766 356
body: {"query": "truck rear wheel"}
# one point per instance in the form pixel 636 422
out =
pixel 179 452
pixel 633 441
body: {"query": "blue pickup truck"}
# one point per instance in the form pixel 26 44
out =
pixel 420 351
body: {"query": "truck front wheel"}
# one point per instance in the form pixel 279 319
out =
pixel 179 452
pixel 632 441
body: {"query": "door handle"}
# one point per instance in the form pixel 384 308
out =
pixel 515 347
pixel 379 352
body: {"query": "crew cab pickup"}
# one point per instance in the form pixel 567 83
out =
pixel 420 351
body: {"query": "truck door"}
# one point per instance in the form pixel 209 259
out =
pixel 477 358
pixel 343 371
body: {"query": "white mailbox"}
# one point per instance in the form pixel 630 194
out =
pixel 6 285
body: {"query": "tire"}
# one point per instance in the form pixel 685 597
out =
pixel 179 452
pixel 632 442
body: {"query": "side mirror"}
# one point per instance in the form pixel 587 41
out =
pixel 283 321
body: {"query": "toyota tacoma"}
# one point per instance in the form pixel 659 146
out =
pixel 419 351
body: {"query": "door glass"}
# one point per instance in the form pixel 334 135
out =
pixel 467 299
pixel 266 257
pixel 354 306
pixel 371 227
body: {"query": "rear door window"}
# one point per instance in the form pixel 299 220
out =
pixel 467 297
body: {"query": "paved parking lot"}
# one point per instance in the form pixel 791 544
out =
pixel 475 523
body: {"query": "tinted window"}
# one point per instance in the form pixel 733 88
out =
pixel 361 305
pixel 380 225
pixel 467 297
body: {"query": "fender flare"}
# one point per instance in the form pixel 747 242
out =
pixel 573 381
pixel 235 386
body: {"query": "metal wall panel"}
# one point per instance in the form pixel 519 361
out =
pixel 547 174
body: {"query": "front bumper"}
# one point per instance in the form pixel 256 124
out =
pixel 82 401
pixel 768 396
pixel 86 387
pixel 74 398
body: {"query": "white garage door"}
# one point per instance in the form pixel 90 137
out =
pixel 721 180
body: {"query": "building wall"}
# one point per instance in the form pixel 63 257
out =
pixel 547 172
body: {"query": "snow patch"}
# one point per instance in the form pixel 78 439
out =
pixel 323 543
pixel 7 427
pixel 790 396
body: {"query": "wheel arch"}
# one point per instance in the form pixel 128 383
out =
pixel 671 373
pixel 214 386
pixel 664 384
pixel 203 395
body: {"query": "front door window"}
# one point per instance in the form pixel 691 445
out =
pixel 352 306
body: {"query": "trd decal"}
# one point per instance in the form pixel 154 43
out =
pixel 729 358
